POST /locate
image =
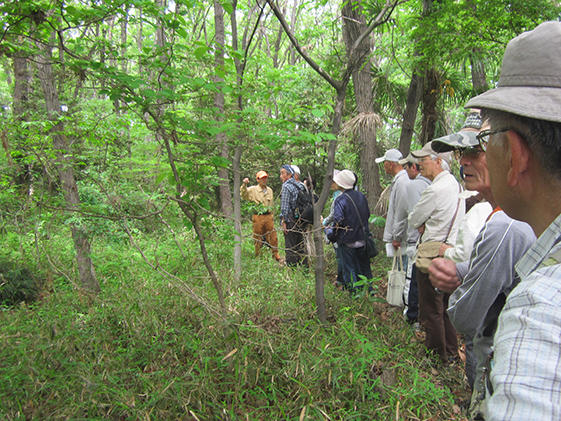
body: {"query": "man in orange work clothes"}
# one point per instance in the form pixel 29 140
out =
pixel 263 221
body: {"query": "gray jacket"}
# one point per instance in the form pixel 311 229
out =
pixel 396 219
pixel 487 279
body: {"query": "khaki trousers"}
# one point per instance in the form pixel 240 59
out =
pixel 264 234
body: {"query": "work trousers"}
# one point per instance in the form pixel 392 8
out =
pixel 294 244
pixel 264 234
pixel 440 333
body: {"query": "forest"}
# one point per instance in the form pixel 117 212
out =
pixel 128 284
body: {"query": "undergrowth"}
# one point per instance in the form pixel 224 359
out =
pixel 143 350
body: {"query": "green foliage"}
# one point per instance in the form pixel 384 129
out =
pixel 142 348
pixel 17 283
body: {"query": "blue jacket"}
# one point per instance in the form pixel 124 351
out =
pixel 347 223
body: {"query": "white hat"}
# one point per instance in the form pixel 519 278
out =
pixel 392 155
pixel 408 159
pixel 345 179
pixel 295 169
pixel 427 150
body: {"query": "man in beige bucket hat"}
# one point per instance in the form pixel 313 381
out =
pixel 523 151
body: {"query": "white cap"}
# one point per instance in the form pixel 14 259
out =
pixel 295 169
pixel 392 155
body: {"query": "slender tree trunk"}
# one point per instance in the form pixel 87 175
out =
pixel 65 170
pixel 221 139
pixel 20 111
pixel 139 40
pixel 410 114
pixel 353 25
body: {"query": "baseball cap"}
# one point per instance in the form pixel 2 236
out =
pixel 409 158
pixel 392 155
pixel 427 150
pixel 261 174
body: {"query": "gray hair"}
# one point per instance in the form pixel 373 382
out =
pixel 542 137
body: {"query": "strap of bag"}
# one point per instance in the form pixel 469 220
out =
pixel 455 213
pixel 357 214
pixel 400 261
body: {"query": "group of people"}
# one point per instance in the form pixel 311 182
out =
pixel 484 254
pixel 346 226
pixel 487 260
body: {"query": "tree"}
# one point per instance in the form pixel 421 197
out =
pixel 355 59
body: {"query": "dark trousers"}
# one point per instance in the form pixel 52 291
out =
pixel 441 335
pixel 354 262
pixel 294 244
pixel 413 297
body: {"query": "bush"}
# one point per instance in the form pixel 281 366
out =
pixel 17 284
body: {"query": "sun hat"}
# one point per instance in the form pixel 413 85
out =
pixel 345 179
pixel 409 158
pixel 261 174
pixel 392 155
pixel 530 81
pixel 427 150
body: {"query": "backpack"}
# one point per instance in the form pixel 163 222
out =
pixel 304 209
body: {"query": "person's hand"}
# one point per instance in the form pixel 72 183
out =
pixel 245 180
pixel 396 244
pixel 284 227
pixel 421 229
pixel 443 248
pixel 442 275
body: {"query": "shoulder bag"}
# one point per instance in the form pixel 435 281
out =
pixel 428 250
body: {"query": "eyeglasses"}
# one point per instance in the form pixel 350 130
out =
pixel 484 136
pixel 472 152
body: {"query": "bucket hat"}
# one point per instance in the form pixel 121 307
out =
pixel 345 179
pixel 530 81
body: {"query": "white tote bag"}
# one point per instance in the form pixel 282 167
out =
pixel 396 281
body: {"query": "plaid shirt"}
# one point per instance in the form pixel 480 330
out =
pixel 289 194
pixel 526 370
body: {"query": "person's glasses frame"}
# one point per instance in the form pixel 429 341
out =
pixel 470 152
pixel 484 135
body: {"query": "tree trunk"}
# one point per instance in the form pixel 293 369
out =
pixel 65 170
pixel 429 103
pixel 478 77
pixel 410 114
pixel 20 111
pixel 221 139
pixel 353 26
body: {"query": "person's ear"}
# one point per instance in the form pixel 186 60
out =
pixel 519 161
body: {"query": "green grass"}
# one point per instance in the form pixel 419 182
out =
pixel 144 350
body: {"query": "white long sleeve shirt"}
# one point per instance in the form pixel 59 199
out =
pixel 436 208
pixel 468 229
